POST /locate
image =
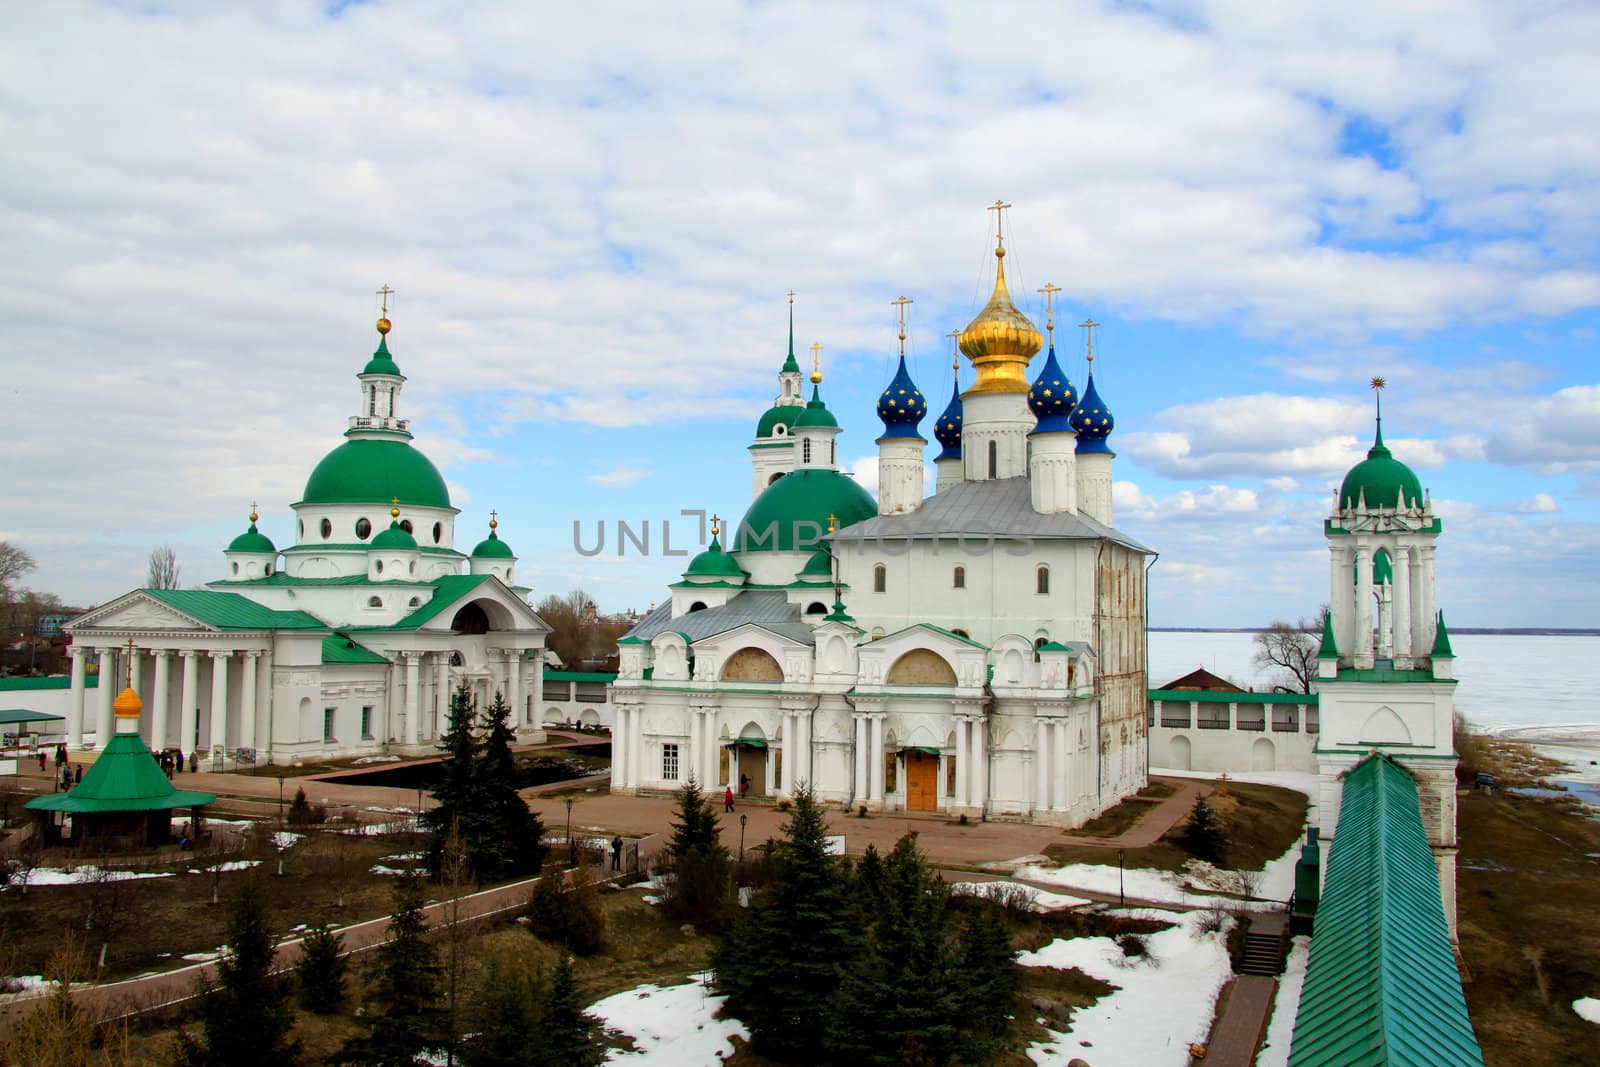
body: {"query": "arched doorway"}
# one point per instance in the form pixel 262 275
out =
pixel 922 779
pixel 1178 753
pixel 749 756
pixel 1263 757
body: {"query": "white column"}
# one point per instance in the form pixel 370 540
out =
pixel 1430 607
pixel 536 683
pixel 160 701
pixel 75 707
pixel 963 762
pixel 103 696
pixel 519 713
pixel 1386 620
pixel 1363 615
pixel 219 701
pixel 786 777
pixel 413 704
pixel 980 762
pixel 619 748
pixel 441 692
pixel 875 754
pixel 802 722
pixel 713 751
pixel 135 675
pixel 1402 603
pixel 189 710
pixel 1338 596
pixel 636 746
pixel 695 757
pixel 1043 771
pixel 862 757
pixel 247 701
pixel 1059 798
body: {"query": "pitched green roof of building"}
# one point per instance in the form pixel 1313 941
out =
pixel 230 611
pixel 1213 696
pixel 338 648
pixel 13 716
pixel 1330 647
pixel 51 681
pixel 252 540
pixel 1382 986
pixel 125 777
pixel 1441 641
pixel 792 513
pixel 446 591
pixel 365 471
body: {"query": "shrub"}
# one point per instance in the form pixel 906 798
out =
pixel 1202 835
pixel 302 813
pixel 568 914
pixel 1133 946
pixel 321 971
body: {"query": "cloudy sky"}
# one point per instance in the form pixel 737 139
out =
pixel 591 215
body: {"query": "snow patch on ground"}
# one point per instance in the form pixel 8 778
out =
pixel 405 857
pixel 671 1027
pixel 1588 1009
pixel 1037 899
pixel 79 875
pixel 231 865
pixel 23 986
pixel 1177 983
pixel 1197 886
pixel 364 760
pixel 1011 866
pixel 1285 1006
pixel 381 869
pixel 282 839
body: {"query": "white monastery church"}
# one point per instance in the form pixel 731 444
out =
pixel 979 652
pixel 349 641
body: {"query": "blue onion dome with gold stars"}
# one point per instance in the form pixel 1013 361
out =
pixel 1092 419
pixel 947 431
pixel 902 406
pixel 252 540
pixel 492 547
pixel 1052 398
pixel 713 562
pixel 816 413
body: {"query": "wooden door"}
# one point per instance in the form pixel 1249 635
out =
pixel 922 782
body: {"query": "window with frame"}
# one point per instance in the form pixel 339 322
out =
pixel 805 450
pixel 994 460
pixel 327 724
pixel 880 579
pixel 959 578
pixel 669 761
pixel 366 722
pixel 1041 581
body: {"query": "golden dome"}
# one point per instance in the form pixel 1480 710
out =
pixel 1000 341
pixel 383 324
pixel 127 705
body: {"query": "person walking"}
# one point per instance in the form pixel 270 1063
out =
pixel 616 853
pixel 727 799
pixel 41 761
pixel 77 774
pixel 194 761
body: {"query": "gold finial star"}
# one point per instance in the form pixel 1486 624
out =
pixel 999 208
pixel 816 362
pixel 1378 383
pixel 1050 290
pixel 1088 327
pixel 901 303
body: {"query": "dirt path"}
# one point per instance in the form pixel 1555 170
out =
pixel 1164 816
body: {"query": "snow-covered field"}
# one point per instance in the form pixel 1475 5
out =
pixel 1197 886
pixel 1176 982
pixel 672 1026
pixel 1038 899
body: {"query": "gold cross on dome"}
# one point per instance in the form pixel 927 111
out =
pixel 1050 290
pixel 833 523
pixel 386 293
pixel 816 361
pixel 253 515
pixel 716 525
pixel 901 304
pixel 999 208
pixel 1088 327
pixel 791 298
pixel 955 351
pixel 128 684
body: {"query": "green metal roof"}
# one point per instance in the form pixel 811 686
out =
pixel 338 648
pixel 11 716
pixel 1441 641
pixel 580 676
pixel 252 540
pixel 816 413
pixel 713 561
pixel 395 537
pixel 357 546
pixel 794 510
pixel 1329 649
pixel 785 414
pixel 363 471
pixel 284 578
pixel 230 611
pixel 382 362
pixel 1380 480
pixel 938 630
pixel 1382 986
pixel 1213 696
pixel 492 547
pixel 1382 673
pixel 446 591
pixel 52 681
pixel 125 777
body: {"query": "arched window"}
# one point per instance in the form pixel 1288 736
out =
pixel 405 524
pixel 833 452
pixel 776 475
pixel 327 529
pixel 236 568
pixel 1039 643
pixel 959 579
pixel 438 532
pixel 416 602
pixel 379 566
pixel 269 570
pixel 994 460
pixel 779 430
pixel 363 529
pixel 880 578
pixel 805 450
pixel 374 601
pixel 698 605
pixel 1042 580
pixel 816 607
pixel 959 632
pixel 372 401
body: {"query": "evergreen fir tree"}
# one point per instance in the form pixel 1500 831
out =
pixel 321 970
pixel 568 1036
pixel 900 1002
pixel 696 825
pixel 507 840
pixel 508 1031
pixel 456 801
pixel 990 980
pixel 780 963
pixel 412 1019
pixel 701 871
pixel 246 1017
pixel 1202 835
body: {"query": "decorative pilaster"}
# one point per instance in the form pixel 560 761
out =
pixel 219 701
pixel 1363 614
pixel 876 767
pixel 247 701
pixel 189 710
pixel 413 662
pixel 103 696
pixel 163 698
pixel 1402 608
pixel 75 707
pixel 1042 769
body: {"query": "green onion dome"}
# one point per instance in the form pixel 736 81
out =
pixel 816 413
pixel 491 547
pixel 395 537
pixel 252 540
pixel 1381 480
pixel 367 471
pixel 820 565
pixel 714 563
pixel 775 416
pixel 792 513
pixel 382 362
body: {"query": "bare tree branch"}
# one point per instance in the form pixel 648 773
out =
pixel 163 572
pixel 1289 650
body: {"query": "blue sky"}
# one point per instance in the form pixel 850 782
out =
pixel 591 222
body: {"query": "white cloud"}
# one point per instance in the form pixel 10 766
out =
pixel 1552 434
pixel 617 477
pixel 1538 504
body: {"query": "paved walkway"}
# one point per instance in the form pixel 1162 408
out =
pixel 1148 830
pixel 1235 1035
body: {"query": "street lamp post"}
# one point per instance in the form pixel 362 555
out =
pixel 572 846
pixel 419 807
pixel 742 820
pixel 280 800
pixel 1122 900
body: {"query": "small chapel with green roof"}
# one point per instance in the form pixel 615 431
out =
pixel 347 642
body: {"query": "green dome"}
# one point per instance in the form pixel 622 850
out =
pixel 492 547
pixel 366 471
pixel 252 541
pixel 820 565
pixel 816 413
pixel 395 537
pixel 382 362
pixel 1381 479
pixel 792 513
pixel 1382 569
pixel 714 563
pixel 774 416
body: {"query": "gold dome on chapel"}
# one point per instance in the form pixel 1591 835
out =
pixel 1001 340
